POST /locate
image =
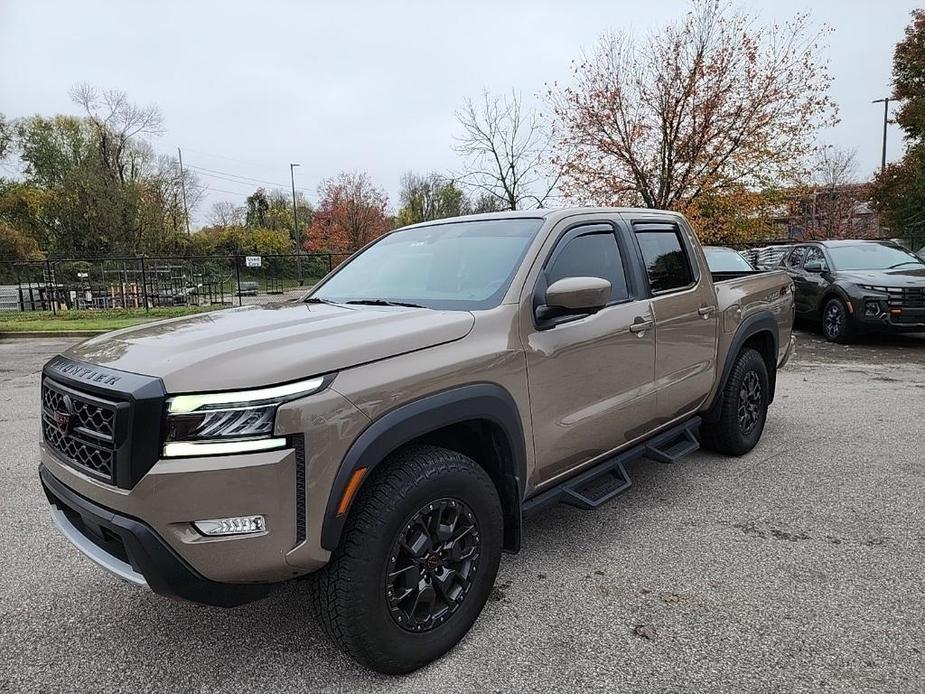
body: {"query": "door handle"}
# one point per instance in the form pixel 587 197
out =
pixel 640 325
pixel 706 311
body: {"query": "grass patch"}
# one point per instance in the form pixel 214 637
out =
pixel 103 319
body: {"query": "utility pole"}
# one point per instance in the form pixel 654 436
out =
pixel 183 189
pixel 886 116
pixel 295 224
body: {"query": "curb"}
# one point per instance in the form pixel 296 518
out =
pixel 52 333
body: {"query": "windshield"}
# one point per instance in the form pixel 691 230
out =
pixel 459 265
pixel 726 260
pixel 872 256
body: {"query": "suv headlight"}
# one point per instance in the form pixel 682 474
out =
pixel 231 422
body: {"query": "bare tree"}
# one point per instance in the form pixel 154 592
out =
pixel 119 123
pixel 225 213
pixel 835 167
pixel 834 197
pixel 505 149
pixel 708 105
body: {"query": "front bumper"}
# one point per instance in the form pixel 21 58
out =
pixel 888 318
pixel 133 551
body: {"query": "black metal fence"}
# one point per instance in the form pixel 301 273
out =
pixel 144 282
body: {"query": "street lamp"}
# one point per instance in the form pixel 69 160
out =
pixel 295 223
pixel 886 107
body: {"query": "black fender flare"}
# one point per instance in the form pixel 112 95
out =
pixel 478 401
pixel 762 321
pixel 832 291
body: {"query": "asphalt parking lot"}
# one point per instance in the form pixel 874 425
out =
pixel 796 568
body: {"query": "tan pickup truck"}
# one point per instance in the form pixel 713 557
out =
pixel 386 435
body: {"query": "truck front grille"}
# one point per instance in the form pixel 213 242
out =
pixel 907 297
pixel 80 428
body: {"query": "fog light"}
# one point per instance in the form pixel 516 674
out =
pixel 241 525
pixel 872 308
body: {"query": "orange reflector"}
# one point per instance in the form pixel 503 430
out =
pixel 352 485
pixel 896 311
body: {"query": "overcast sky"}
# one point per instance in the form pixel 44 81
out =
pixel 248 87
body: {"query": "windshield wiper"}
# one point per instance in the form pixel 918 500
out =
pixel 908 262
pixel 318 300
pixel 383 302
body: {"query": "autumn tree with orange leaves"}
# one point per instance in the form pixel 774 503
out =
pixel 702 115
pixel 351 212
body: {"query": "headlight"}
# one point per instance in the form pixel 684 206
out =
pixel 232 422
pixel 882 290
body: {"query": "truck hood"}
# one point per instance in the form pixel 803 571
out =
pixel 264 345
pixel 900 277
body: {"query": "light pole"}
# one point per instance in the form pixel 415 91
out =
pixel 183 190
pixel 886 116
pixel 295 224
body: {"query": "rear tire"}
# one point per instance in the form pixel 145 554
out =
pixel 836 322
pixel 429 522
pixel 744 407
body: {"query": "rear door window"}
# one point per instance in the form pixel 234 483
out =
pixel 795 259
pixel 666 260
pixel 814 255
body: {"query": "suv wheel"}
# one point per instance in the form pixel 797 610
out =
pixel 836 322
pixel 744 407
pixel 416 562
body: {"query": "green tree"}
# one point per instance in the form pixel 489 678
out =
pixel 273 210
pixel 15 245
pixel 6 136
pixel 85 209
pixel 103 189
pixel 22 207
pixel 898 190
pixel 424 198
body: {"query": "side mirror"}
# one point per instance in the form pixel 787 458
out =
pixel 814 266
pixel 578 294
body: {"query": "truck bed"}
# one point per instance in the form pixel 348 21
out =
pixel 734 274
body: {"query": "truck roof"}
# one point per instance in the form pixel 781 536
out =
pixel 833 243
pixel 553 214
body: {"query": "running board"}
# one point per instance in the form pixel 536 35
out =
pixel 674 450
pixel 608 479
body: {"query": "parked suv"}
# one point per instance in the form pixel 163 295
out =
pixel 854 287
pixel 387 435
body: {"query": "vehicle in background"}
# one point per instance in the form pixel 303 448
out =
pixel 386 435
pixel 853 287
pixel 247 288
pixel 766 257
pixel 727 263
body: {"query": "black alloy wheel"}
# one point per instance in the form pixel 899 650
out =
pixel 750 402
pixel 432 565
pixel 834 319
pixel 416 562
pixel 743 407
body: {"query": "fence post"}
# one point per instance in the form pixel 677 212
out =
pixel 237 274
pixel 50 287
pixel 22 303
pixel 144 283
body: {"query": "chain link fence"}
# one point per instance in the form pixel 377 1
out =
pixel 145 282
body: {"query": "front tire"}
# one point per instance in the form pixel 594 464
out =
pixel 836 322
pixel 744 409
pixel 416 562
